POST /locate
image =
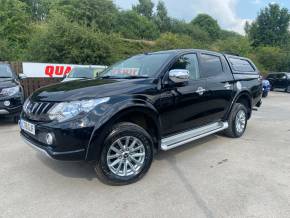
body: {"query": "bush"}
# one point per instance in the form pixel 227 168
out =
pixel 65 42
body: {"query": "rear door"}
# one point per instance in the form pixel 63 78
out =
pixel 219 85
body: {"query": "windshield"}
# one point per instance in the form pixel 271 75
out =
pixel 146 65
pixel 5 71
pixel 83 72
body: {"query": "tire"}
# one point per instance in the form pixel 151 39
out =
pixel 233 131
pixel 120 168
pixel 265 94
pixel 288 89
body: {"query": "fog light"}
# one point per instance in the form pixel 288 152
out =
pixel 7 103
pixel 49 138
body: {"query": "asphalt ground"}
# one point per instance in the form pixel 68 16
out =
pixel 213 177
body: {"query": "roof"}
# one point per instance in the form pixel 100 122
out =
pixel 180 51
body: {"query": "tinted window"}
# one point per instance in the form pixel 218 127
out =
pixel 188 62
pixel 5 71
pixel 211 65
pixel 241 65
pixel 271 76
pixel 281 76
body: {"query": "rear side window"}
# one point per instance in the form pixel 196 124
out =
pixel 241 65
pixel 211 65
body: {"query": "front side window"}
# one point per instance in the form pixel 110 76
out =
pixel 5 71
pixel 146 65
pixel 212 65
pixel 188 62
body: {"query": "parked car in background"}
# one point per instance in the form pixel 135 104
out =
pixel 279 81
pixel 11 93
pixel 266 88
pixel 84 73
pixel 149 102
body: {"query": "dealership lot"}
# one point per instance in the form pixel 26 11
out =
pixel 214 177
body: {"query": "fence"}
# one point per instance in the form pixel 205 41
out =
pixel 32 84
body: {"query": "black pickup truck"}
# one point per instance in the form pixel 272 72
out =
pixel 147 103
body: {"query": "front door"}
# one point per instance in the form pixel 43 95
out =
pixel 185 102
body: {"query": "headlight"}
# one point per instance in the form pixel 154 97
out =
pixel 67 110
pixel 10 91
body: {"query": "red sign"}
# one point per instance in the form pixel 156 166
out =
pixel 57 70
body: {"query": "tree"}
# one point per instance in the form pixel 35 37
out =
pixel 14 27
pixel 38 9
pixel 98 14
pixel 134 26
pixel 62 41
pixel 271 27
pixel 162 20
pixel 208 24
pixel 144 8
pixel 273 59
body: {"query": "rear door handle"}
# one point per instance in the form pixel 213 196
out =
pixel 200 91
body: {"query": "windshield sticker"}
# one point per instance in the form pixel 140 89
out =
pixel 126 71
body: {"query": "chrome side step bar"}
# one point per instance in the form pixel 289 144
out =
pixel 192 135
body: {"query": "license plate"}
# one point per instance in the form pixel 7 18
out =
pixel 27 127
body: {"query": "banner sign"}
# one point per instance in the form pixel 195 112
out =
pixel 43 70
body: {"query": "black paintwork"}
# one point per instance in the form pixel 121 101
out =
pixel 16 101
pixel 170 108
pixel 279 81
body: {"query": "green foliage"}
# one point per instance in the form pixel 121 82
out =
pixel 144 8
pixel 38 9
pixel 14 21
pixel 62 41
pixel 14 29
pixel 273 58
pixel 271 27
pixel 134 26
pixel 98 14
pixel 4 50
pixel 161 19
pixel 235 45
pixel 208 24
pixel 173 41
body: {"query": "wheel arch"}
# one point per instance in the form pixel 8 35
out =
pixel 244 98
pixel 142 115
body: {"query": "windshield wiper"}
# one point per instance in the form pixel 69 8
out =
pixel 119 77
pixel 135 77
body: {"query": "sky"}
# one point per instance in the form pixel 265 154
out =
pixel 231 14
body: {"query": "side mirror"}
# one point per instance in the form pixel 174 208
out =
pixel 22 76
pixel 179 76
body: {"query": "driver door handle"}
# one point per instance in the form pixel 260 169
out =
pixel 200 90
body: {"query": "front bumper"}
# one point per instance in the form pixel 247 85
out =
pixel 68 155
pixel 13 109
pixel 69 142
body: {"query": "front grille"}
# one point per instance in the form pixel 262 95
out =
pixel 38 110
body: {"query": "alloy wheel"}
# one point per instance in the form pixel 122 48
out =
pixel 126 156
pixel 240 121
